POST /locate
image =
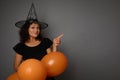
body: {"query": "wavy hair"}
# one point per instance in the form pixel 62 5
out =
pixel 24 34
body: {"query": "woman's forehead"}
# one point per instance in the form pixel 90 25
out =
pixel 35 24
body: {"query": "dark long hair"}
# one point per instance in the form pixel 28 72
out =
pixel 24 34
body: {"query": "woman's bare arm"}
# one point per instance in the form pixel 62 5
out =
pixel 17 61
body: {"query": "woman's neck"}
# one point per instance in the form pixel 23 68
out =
pixel 32 42
pixel 31 39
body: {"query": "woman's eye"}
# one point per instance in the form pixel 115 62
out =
pixel 32 27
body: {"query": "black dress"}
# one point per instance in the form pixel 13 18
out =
pixel 36 52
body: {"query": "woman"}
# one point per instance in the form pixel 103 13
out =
pixel 32 44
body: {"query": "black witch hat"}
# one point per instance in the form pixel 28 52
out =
pixel 31 15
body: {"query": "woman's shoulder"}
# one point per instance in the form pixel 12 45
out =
pixel 46 39
pixel 19 44
pixel 18 48
pixel 47 42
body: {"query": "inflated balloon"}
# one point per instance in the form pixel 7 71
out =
pixel 55 62
pixel 13 76
pixel 32 69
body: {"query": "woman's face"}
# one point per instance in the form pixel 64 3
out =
pixel 34 30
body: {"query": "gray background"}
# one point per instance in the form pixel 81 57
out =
pixel 91 39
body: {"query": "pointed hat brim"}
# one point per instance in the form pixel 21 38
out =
pixel 19 24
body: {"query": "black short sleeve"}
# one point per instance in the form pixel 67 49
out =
pixel 47 43
pixel 18 48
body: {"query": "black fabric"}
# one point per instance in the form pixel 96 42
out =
pixel 50 78
pixel 37 52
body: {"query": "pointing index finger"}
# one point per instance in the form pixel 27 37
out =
pixel 60 36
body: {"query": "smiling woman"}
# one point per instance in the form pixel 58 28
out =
pixel 32 44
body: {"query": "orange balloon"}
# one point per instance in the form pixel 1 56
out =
pixel 13 76
pixel 55 62
pixel 32 69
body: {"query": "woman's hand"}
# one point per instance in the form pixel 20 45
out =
pixel 57 40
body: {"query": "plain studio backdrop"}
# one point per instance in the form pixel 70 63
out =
pixel 91 39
